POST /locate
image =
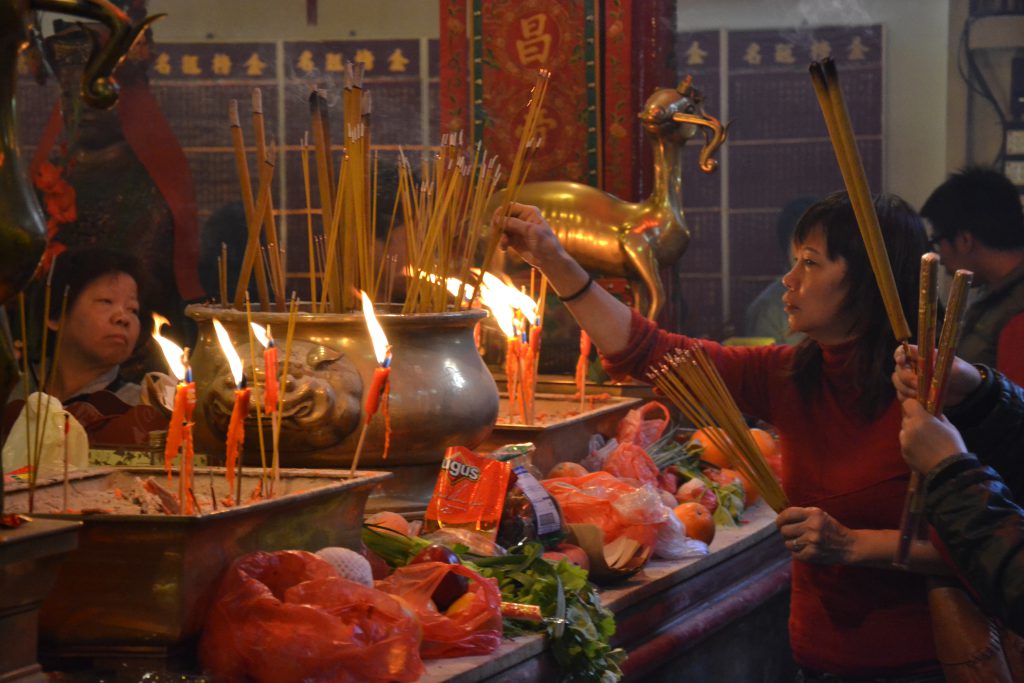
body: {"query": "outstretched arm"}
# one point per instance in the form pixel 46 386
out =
pixel 605 318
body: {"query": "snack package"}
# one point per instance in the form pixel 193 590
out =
pixel 530 513
pixel 469 493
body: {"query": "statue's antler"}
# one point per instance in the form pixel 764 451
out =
pixel 714 135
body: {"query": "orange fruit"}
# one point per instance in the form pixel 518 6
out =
pixel 567 469
pixel 708 437
pixel 698 521
pixel 770 450
pixel 767 444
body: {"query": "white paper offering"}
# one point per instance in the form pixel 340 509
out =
pixel 31 436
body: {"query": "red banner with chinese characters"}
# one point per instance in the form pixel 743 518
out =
pixel 606 56
pixel 509 40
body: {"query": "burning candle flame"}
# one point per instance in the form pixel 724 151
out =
pixel 260 333
pixel 229 352
pixel 515 298
pixel 377 336
pixel 172 352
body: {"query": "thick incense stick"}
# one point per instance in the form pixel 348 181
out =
pixel 912 520
pixel 830 97
pixel 269 228
pixel 252 245
pixel 304 148
pixel 248 204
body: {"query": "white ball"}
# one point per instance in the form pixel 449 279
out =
pixel 349 564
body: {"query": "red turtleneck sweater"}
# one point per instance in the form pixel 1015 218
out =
pixel 847 621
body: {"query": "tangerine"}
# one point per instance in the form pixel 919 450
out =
pixel 567 468
pixel 769 447
pixel 709 438
pixel 698 521
pixel 766 443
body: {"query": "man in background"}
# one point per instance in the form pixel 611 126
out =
pixel 977 224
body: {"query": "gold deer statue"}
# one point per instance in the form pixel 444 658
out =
pixel 613 237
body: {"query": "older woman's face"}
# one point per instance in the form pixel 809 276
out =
pixel 103 323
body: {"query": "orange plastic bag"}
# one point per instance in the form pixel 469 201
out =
pixel 469 627
pixel 602 499
pixel 287 616
pixel 639 429
pixel 630 461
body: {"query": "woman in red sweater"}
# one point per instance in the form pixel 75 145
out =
pixel 852 615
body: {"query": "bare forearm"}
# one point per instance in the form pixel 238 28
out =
pixel 877 548
pixel 605 318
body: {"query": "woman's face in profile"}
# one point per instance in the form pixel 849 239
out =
pixel 102 325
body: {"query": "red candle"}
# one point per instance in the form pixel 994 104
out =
pixel 378 385
pixel 236 433
pixel 581 366
pixel 176 427
pixel 270 371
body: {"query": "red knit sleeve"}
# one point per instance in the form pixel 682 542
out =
pixel 1010 349
pixel 752 373
pixel 647 344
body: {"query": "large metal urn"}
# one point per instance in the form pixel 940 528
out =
pixel 441 392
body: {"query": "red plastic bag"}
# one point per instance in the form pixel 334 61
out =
pixel 630 461
pixel 602 499
pixel 641 430
pixel 287 616
pixel 471 628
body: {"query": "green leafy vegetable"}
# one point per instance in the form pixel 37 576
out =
pixel 583 650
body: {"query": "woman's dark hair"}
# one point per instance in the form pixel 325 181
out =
pixel 76 268
pixel 905 241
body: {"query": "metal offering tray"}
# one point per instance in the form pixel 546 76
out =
pixel 562 433
pixel 140 584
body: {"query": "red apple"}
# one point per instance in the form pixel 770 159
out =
pixel 575 554
pixel 453 586
pixel 697 491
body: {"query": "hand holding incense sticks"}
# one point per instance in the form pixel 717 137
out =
pixel 931 387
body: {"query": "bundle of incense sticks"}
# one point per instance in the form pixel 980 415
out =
pixel 691 381
pixel 933 370
pixel 833 107
pixel 528 144
pixel 259 212
pixel 442 215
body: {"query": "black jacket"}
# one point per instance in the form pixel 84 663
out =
pixel 972 507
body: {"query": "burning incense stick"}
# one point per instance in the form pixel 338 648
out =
pixel 830 97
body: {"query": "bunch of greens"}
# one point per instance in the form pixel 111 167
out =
pixel 582 649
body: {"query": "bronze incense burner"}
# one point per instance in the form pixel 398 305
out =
pixel 441 395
